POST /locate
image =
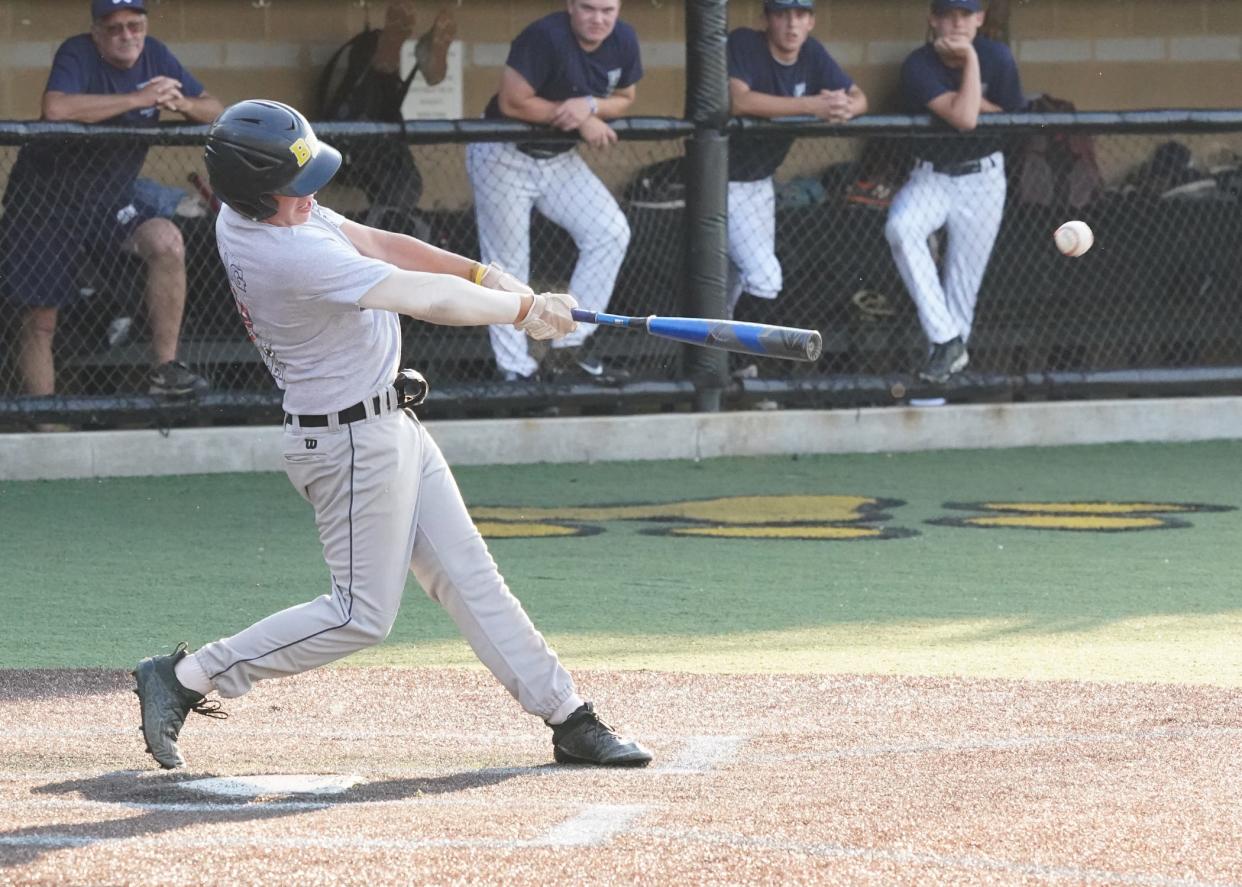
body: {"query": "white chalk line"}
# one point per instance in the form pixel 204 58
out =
pixel 699 754
pixel 911 857
pixel 594 825
pixel 1003 743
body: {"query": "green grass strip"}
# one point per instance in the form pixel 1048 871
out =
pixel 101 572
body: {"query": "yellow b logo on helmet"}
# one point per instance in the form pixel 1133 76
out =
pixel 301 151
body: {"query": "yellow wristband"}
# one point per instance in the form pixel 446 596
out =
pixel 480 271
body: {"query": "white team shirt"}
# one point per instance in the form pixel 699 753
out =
pixel 297 290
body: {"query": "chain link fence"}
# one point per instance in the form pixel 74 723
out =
pixel 1159 291
pixel 1157 294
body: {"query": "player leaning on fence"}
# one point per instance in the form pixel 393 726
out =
pixel 67 198
pixel 958 184
pixel 572 70
pixel 781 71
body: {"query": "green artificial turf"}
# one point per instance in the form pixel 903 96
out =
pixel 101 572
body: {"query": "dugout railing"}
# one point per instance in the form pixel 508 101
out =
pixel 1152 309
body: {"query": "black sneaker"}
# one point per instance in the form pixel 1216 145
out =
pixel 585 739
pixel 581 363
pixel 946 359
pixel 164 703
pixel 175 379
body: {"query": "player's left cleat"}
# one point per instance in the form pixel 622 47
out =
pixel 164 703
pixel 584 739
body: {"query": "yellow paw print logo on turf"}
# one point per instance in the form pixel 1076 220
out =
pixel 731 517
pixel 1091 517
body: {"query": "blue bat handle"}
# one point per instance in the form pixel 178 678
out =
pixel 583 316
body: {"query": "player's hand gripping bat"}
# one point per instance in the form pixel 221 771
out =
pixel 787 342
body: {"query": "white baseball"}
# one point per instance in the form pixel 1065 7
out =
pixel 1074 238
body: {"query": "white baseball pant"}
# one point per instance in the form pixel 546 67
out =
pixel 971 206
pixel 753 267
pixel 386 504
pixel 507 185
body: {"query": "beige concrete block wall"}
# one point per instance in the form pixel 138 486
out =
pixel 1101 54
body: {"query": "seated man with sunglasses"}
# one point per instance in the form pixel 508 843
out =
pixel 67 198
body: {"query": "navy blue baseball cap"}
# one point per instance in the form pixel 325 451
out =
pixel 942 6
pixel 777 5
pixel 103 8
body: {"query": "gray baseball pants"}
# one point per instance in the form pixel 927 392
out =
pixel 386 504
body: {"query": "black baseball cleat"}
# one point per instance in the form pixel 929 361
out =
pixel 164 703
pixel 175 379
pixel 584 739
pixel 946 359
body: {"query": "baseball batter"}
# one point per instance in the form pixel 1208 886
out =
pixel 781 71
pixel 955 183
pixel 319 297
pixel 572 70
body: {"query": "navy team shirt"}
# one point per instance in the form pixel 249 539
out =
pixel 925 77
pixel 548 55
pixel 100 172
pixel 751 61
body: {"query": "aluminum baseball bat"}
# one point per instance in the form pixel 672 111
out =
pixel 786 342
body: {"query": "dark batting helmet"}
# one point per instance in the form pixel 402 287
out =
pixel 258 148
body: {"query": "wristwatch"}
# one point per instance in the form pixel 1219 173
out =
pixel 592 104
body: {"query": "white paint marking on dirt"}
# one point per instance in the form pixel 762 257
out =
pixel 915 858
pixel 594 825
pixel 701 754
pixel 274 784
pixel 1006 743
pixel 48 841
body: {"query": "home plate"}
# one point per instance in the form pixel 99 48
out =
pixel 275 784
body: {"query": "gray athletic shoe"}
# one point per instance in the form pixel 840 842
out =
pixel 175 379
pixel 946 359
pixel 164 704
pixel 585 739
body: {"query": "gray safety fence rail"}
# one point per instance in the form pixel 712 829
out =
pixel 1152 309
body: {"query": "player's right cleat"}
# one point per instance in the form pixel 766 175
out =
pixel 584 739
pixel 164 703
pixel 946 359
pixel 175 379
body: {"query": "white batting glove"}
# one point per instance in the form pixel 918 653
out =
pixel 549 316
pixel 496 278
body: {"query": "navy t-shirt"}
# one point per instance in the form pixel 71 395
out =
pixel 752 62
pixel 99 172
pixel 924 77
pixel 548 55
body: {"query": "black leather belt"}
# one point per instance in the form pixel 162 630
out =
pixel 411 391
pixel 965 168
pixel 350 414
pixel 544 151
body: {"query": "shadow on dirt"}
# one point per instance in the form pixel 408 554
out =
pixel 179 807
